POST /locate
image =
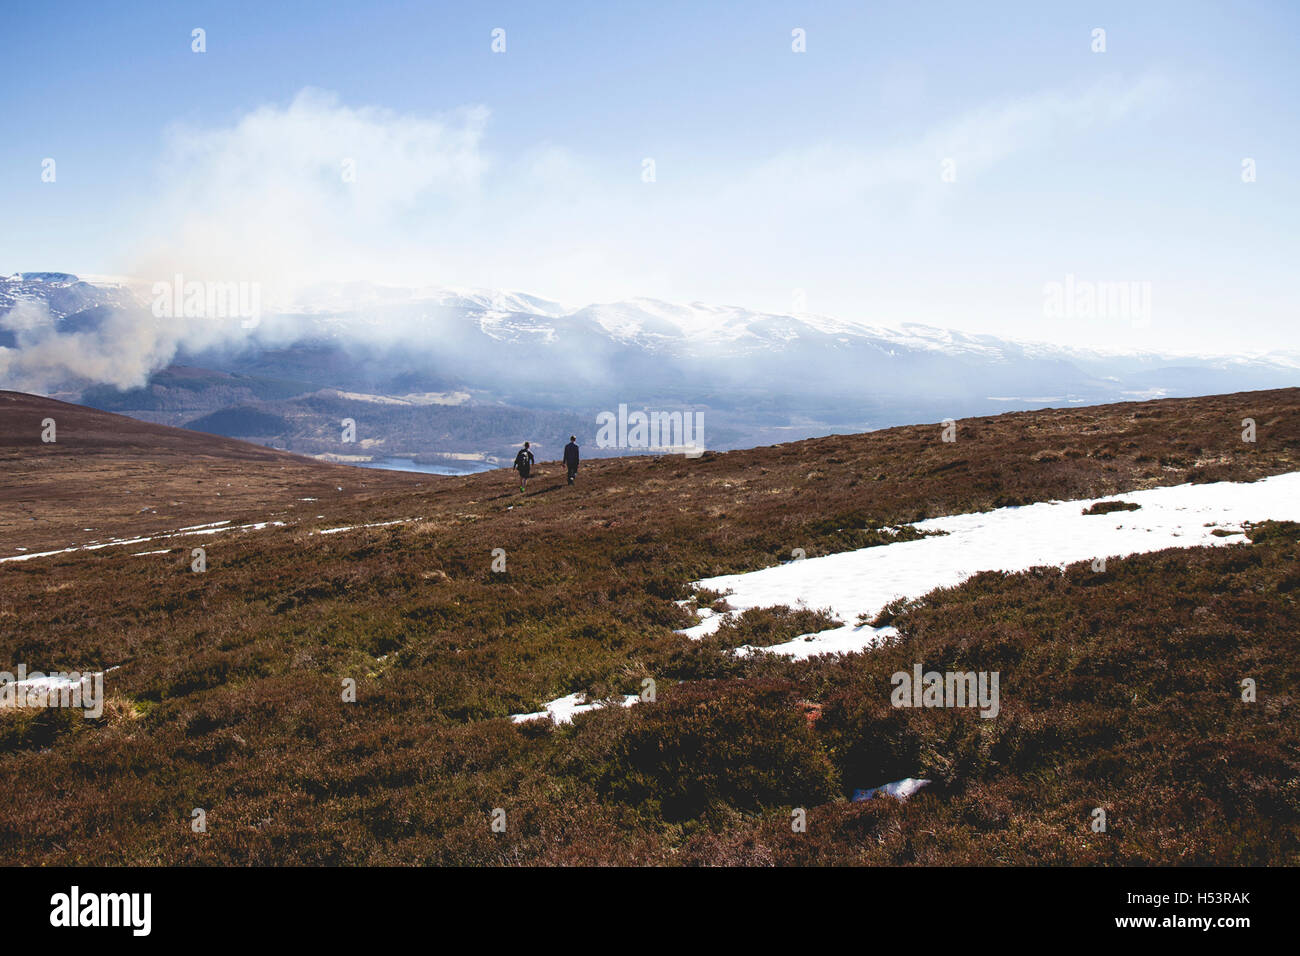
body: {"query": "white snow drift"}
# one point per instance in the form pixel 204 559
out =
pixel 855 583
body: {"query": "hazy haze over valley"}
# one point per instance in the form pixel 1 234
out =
pixel 434 372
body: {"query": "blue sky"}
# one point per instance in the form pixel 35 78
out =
pixel 782 179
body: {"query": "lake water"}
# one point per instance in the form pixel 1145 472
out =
pixel 409 464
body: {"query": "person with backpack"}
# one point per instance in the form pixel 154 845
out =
pixel 571 457
pixel 524 465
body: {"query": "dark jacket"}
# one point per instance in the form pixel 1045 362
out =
pixel 524 462
pixel 571 456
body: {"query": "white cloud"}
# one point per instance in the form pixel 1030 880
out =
pixel 263 199
pixel 122 351
pixel 828 173
pixel 269 199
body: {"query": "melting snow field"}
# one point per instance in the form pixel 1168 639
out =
pixel 854 583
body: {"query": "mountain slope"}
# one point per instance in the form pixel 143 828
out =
pixel 1121 689
pixel 120 477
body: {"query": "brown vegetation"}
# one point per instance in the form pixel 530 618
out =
pixel 1120 689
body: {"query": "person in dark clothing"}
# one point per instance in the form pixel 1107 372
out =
pixel 571 457
pixel 524 465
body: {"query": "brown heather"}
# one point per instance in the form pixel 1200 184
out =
pixel 1119 689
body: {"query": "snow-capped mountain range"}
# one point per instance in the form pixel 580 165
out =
pixel 761 373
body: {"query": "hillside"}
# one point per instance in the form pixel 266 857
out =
pixel 1120 688
pixel 121 477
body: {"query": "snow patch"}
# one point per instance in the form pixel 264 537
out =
pixel 563 709
pixel 858 584
pixel 899 790
pixel 354 527
pixel 198 529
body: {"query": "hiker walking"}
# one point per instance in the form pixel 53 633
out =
pixel 523 465
pixel 571 457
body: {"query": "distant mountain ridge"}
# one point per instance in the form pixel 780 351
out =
pixel 759 377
